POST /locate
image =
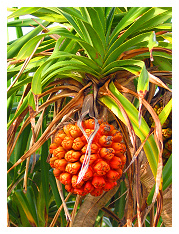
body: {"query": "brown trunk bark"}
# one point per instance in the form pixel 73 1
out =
pixel 88 212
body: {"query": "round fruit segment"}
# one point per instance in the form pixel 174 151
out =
pixel 78 144
pixel 59 152
pixel 52 147
pixel 107 153
pixel 101 167
pixel 60 164
pixel 72 156
pixel 73 168
pixel 67 143
pixel 88 187
pixel 105 141
pixel 98 181
pixel 93 158
pixel 65 178
pixel 106 162
pixel 74 182
pixel 115 163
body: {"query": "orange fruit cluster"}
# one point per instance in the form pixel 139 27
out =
pixel 106 163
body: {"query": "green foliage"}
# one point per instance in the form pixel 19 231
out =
pixel 87 42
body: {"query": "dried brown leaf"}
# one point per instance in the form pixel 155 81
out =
pixel 155 80
pixel 75 102
pixel 132 53
pixel 69 81
pixel 159 208
pixel 58 88
pixel 27 121
pixel 60 190
pixel 157 136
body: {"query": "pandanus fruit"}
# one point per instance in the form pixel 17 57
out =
pixel 106 163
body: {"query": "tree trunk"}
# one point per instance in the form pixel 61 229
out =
pixel 167 207
pixel 88 211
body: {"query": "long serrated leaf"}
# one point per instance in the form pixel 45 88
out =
pixel 15 47
pixel 93 53
pixel 37 81
pixel 117 65
pixel 150 146
pixel 31 101
pixel 10 101
pixel 109 21
pixel 128 19
pixel 101 13
pixel 27 202
pixel 152 12
pixel 70 65
pixel 29 47
pixel 96 23
pixel 23 11
pixel 50 14
pixel 152 41
pixel 45 167
pixel 167 173
pixel 163 64
pixel 32 66
pixel 56 194
pixel 85 35
pixel 20 218
pixel 157 22
pixel 24 23
pixel 96 39
pixel 15 88
pixel 54 188
pixel 71 11
pixel 84 13
pixel 120 201
pixel 63 73
pixel 142 88
pixel 117 50
pixel 129 125
pixel 155 54
pixel 46 45
pixel 32 203
pixel 75 25
pixel 41 207
pixel 20 110
pixel 165 112
pixel 63 55
pixel 22 143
